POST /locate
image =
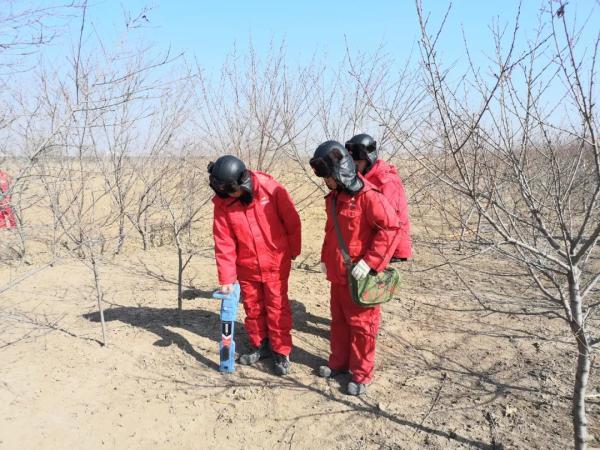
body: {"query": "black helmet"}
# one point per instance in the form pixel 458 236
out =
pixel 332 160
pixel 227 175
pixel 363 147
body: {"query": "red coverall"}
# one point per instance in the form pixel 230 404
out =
pixel 254 244
pixel 369 226
pixel 7 217
pixel 385 178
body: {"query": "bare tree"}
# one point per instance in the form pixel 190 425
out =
pixel 184 201
pixel 25 29
pixel 76 137
pixel 144 207
pixel 257 110
pixel 530 174
pixel 127 159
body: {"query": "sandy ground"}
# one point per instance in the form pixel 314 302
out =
pixel 470 363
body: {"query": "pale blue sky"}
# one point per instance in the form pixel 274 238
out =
pixel 208 30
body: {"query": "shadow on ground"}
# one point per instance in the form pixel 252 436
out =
pixel 164 321
pixel 307 322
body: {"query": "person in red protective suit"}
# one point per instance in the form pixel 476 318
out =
pixel 369 226
pixel 7 216
pixel 384 176
pixel 257 233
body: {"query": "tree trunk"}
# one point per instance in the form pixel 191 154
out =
pixel 144 241
pixel 179 279
pixel 99 299
pixel 581 380
pixel 121 239
pixel 583 363
pixel 144 230
pixel 144 238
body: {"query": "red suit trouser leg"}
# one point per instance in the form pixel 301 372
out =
pixel 353 335
pixel 268 313
pixel 254 306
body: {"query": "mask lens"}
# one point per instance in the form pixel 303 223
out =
pixel 320 167
pixel 359 151
pixel 222 187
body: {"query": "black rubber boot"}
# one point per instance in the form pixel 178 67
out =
pixel 327 372
pixel 282 364
pixel 355 388
pixel 256 354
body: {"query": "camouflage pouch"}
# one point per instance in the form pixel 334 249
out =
pixel 374 290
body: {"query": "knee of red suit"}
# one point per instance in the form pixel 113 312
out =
pixel 367 326
pixel 252 308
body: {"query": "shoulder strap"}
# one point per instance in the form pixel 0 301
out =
pixel 341 242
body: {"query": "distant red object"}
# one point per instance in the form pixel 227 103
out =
pixel 7 216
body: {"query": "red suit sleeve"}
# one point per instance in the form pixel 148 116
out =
pixel 394 192
pixel 225 247
pixel 291 220
pixel 328 226
pixel 382 217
